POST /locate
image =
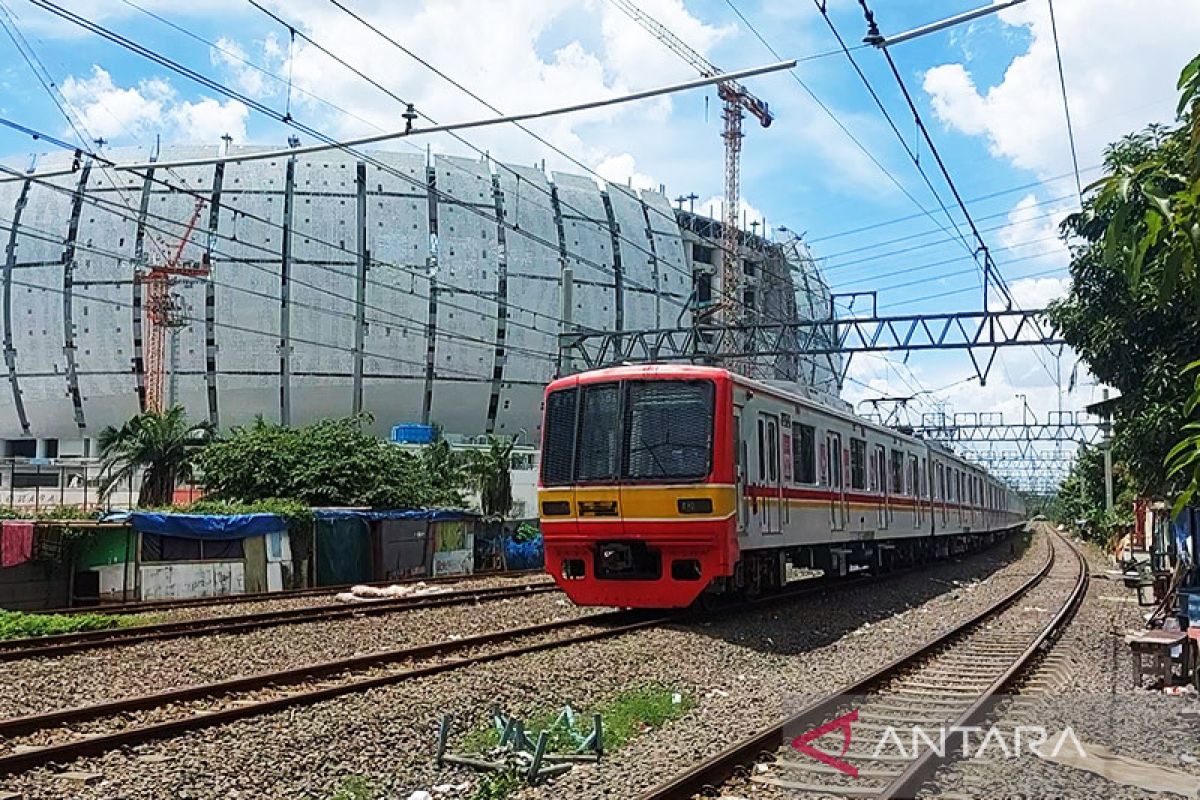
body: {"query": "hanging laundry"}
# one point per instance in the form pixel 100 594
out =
pixel 16 543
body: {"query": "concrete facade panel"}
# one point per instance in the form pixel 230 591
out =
pixel 479 263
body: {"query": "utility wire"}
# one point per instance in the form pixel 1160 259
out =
pixel 873 30
pixel 977 199
pixel 1062 83
pixel 130 215
pixel 892 123
pixel 838 122
pixel 412 272
pixel 724 293
pixel 272 113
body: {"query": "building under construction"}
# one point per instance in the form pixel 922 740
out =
pixel 297 288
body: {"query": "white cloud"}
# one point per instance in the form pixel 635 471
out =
pixel 235 62
pixel 622 169
pixel 135 114
pixel 715 205
pixel 1116 54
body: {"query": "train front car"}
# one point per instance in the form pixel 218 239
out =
pixel 637 488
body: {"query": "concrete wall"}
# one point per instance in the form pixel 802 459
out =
pixel 192 579
pixel 33 586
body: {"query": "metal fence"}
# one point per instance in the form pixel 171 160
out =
pixel 42 483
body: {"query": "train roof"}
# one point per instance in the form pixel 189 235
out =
pixel 694 372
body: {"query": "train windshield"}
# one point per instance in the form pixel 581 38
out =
pixel 631 430
pixel 668 430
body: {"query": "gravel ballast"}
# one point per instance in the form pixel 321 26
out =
pixel 743 672
pixel 36 685
pixel 1086 684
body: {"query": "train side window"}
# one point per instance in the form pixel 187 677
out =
pixel 912 480
pixel 858 464
pixel 804 453
pixel 897 472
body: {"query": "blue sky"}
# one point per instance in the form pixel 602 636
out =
pixel 987 90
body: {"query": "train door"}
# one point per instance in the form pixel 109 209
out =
pixel 941 489
pixel 879 467
pixel 740 466
pixel 837 481
pixel 769 475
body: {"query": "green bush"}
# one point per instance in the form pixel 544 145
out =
pixel 19 625
pixel 333 462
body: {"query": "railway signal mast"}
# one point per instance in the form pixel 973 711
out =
pixel 737 101
pixel 164 312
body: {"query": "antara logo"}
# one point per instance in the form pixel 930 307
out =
pixel 841 723
pixel 974 742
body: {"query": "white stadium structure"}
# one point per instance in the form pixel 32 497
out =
pixel 411 289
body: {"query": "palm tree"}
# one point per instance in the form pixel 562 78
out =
pixel 157 447
pixel 491 476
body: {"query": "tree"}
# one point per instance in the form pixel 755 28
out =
pixel 491 475
pixel 1134 310
pixel 1080 502
pixel 157 448
pixel 333 462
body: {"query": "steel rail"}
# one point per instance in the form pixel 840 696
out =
pixel 62 644
pixel 92 744
pixel 909 782
pixel 715 770
pixel 28 759
pixel 140 607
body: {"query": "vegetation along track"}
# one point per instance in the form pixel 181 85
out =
pixel 14 649
pixel 59 736
pixel 951 681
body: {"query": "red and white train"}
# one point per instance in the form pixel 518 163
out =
pixel 659 483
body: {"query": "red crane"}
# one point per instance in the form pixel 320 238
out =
pixel 163 311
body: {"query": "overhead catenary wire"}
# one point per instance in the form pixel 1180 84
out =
pixel 837 120
pixel 1062 84
pixel 873 30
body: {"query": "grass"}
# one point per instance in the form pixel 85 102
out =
pixel 632 712
pixel 354 788
pixel 497 786
pixel 627 715
pixel 19 625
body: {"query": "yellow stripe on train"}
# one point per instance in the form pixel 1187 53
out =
pixel 703 501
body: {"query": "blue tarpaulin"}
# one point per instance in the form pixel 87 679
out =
pixel 206 526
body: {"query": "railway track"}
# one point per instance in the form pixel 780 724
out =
pixel 150 606
pixel 59 736
pixel 948 684
pixel 44 646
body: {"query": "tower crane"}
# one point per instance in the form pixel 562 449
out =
pixel 737 101
pixel 163 311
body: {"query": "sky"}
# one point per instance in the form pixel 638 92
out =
pixel 830 167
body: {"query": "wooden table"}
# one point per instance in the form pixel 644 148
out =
pixel 1151 651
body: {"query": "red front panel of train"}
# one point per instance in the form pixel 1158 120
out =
pixel 637 497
